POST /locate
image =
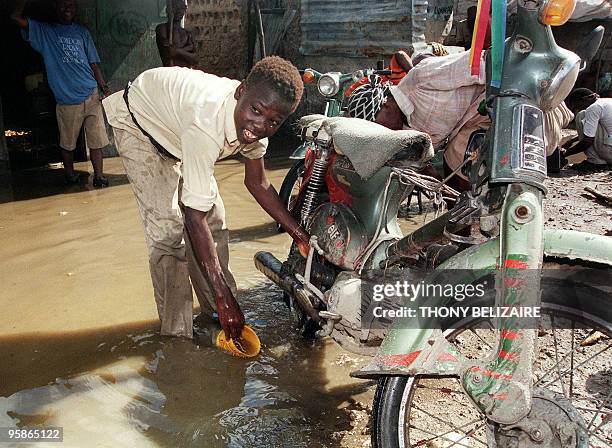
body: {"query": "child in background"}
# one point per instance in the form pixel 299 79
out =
pixel 74 75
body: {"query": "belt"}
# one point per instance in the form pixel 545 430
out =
pixel 163 152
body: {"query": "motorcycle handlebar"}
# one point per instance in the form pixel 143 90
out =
pixel 385 72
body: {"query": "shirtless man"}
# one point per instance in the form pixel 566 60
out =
pixel 181 53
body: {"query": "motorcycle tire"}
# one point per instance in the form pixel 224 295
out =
pixel 395 394
pixel 292 180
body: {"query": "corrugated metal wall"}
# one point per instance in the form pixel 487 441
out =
pixel 361 27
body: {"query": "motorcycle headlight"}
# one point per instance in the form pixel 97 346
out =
pixel 559 85
pixel 556 12
pixel 329 84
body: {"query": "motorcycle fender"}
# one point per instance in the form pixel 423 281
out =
pixel 409 351
pixel 575 245
pixel 300 152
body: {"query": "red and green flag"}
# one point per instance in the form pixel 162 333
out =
pixel 493 13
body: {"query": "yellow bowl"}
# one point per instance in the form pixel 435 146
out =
pixel 248 345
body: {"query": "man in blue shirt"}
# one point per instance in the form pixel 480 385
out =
pixel 71 61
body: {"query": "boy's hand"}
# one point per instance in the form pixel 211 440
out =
pixel 105 92
pixel 230 316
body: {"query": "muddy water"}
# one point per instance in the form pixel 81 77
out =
pixel 128 387
pixel 78 338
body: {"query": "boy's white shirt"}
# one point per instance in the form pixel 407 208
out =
pixel 191 114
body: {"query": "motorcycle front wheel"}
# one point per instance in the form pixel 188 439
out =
pixel 290 187
pixel 574 361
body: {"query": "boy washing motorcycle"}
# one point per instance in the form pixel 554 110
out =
pixel 171 125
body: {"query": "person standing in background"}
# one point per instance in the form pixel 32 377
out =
pixel 74 75
pixel 175 43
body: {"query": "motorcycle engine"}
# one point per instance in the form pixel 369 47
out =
pixel 351 331
pixel 340 234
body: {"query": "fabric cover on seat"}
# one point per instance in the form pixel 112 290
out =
pixel 369 145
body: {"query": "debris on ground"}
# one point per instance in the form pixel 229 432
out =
pixel 565 207
pixel 358 414
pixel 344 359
pixel 592 339
pixel 599 195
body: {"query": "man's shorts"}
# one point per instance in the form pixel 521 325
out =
pixel 70 118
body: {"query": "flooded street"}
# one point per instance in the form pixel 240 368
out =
pixel 79 344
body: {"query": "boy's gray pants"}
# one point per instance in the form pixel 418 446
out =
pixel 171 258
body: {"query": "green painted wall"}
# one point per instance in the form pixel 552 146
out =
pixel 124 33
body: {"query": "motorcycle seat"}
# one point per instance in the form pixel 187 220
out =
pixel 369 146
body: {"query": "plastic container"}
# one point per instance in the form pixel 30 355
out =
pixel 212 335
pixel 248 346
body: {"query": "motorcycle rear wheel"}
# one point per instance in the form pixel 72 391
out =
pixel 435 412
pixel 291 187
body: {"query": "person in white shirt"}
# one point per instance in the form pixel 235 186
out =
pixel 171 125
pixel 594 126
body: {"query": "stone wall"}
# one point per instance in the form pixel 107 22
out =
pixel 219 29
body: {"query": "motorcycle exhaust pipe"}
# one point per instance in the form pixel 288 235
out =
pixel 413 243
pixel 271 267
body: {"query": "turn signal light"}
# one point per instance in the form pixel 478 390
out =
pixel 308 77
pixel 557 12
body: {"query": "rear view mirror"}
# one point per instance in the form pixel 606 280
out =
pixel 589 46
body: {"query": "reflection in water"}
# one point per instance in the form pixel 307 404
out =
pixel 80 348
pixel 144 390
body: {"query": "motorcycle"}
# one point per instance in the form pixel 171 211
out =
pixel 332 86
pixel 354 183
pixel 471 380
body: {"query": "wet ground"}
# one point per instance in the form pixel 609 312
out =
pixel 79 344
